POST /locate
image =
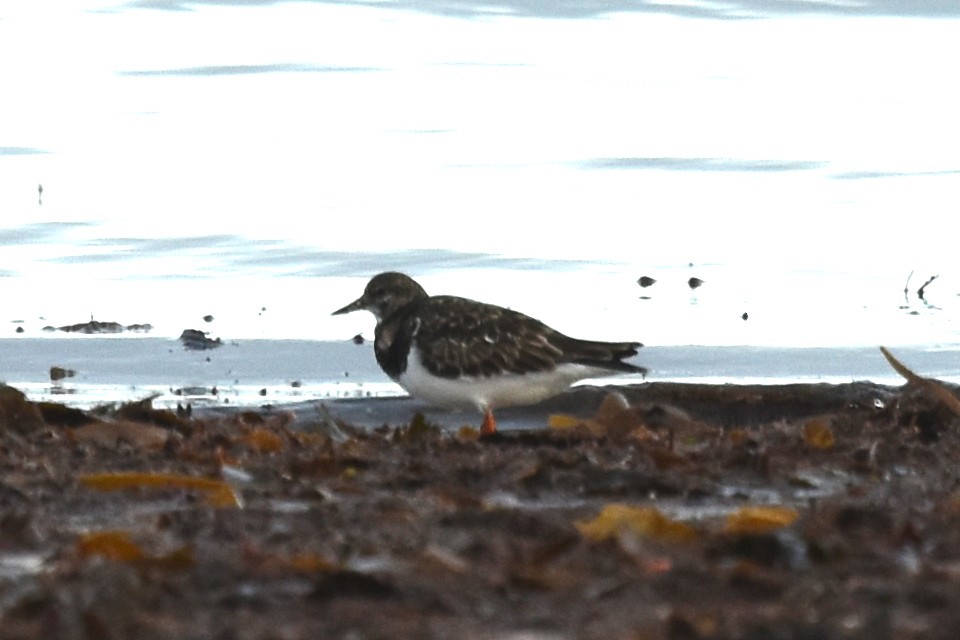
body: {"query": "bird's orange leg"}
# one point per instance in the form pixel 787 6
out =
pixel 489 425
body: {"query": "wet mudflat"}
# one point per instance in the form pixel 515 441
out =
pixel 656 511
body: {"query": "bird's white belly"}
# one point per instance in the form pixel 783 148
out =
pixel 488 392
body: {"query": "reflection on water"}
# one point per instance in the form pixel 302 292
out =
pixel 260 181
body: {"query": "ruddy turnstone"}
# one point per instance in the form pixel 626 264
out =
pixel 454 352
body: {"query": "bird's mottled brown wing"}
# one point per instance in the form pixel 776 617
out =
pixel 460 337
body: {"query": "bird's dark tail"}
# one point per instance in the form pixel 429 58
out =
pixel 604 355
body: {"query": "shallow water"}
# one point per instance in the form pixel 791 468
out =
pixel 258 372
pixel 262 170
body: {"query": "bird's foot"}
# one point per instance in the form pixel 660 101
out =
pixel 489 425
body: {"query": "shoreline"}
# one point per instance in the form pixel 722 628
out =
pixel 675 507
pixel 252 373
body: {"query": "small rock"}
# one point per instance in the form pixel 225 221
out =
pixel 59 373
pixel 358 339
pixel 646 281
pixel 197 340
pixel 693 283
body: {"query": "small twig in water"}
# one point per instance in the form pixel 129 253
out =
pixel 906 289
pixel 920 290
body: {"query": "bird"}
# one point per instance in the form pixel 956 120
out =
pixel 454 352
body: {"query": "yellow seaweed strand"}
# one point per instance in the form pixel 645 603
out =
pixel 217 493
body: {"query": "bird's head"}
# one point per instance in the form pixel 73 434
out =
pixel 385 294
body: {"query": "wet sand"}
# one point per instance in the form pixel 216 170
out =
pixel 659 510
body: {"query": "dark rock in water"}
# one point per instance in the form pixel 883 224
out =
pixel 19 330
pixel 296 384
pixel 693 283
pixel 646 281
pixel 59 373
pixel 358 339
pixel 197 340
pixel 49 328
pixel 745 315
pixel 194 391
pixel 140 328
pixel 94 326
pixel 208 318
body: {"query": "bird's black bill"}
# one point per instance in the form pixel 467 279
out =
pixel 356 305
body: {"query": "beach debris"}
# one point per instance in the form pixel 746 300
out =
pixel 193 391
pixel 61 415
pixel 329 426
pixel 197 340
pixel 263 440
pixel 59 373
pixel 113 434
pixel 646 281
pixel 921 292
pixel 906 290
pixel 143 411
pixel 417 430
pixel 818 434
pixel 616 419
pixel 617 520
pixel 112 545
pixel 216 493
pixel 694 283
pixel 763 519
pixel 934 387
pixel 16 412
pixel 923 287
pixel 134 410
pixel 118 546
pixel 747 536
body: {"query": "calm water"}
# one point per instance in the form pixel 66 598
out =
pixel 278 372
pixel 542 156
